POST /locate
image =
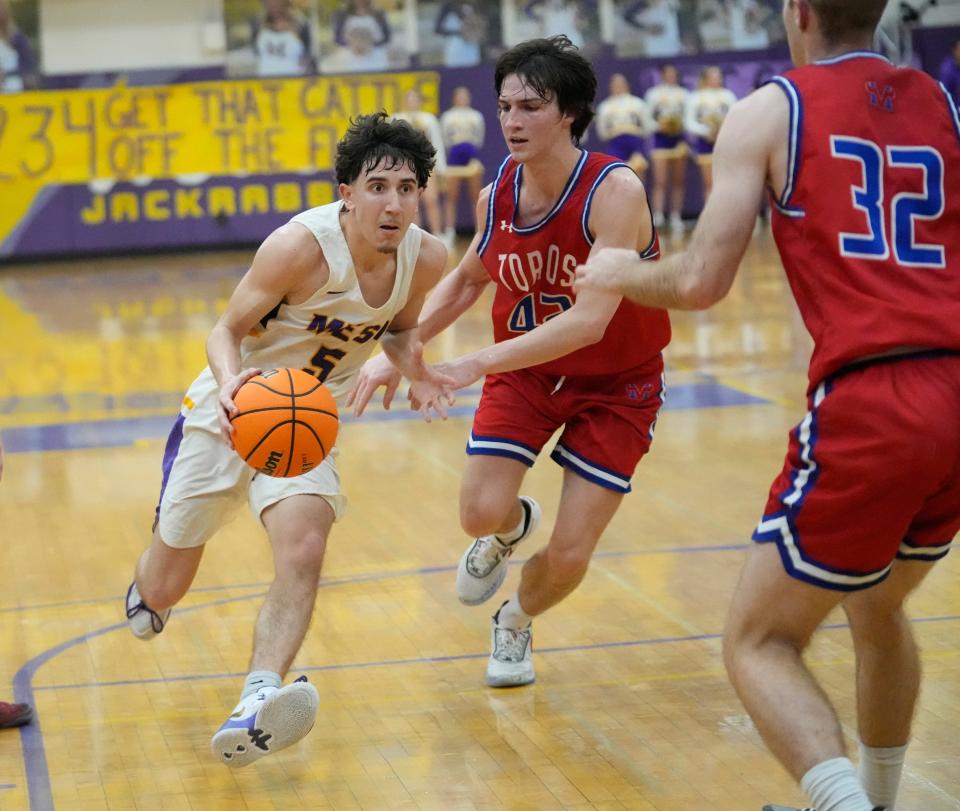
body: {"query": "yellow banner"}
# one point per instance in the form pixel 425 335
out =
pixel 267 126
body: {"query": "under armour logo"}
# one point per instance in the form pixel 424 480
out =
pixel 259 739
pixel 505 226
pixel 881 96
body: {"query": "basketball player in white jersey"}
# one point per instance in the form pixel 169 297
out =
pixel 321 292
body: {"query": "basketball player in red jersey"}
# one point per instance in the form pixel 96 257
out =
pixel 862 160
pixel 590 364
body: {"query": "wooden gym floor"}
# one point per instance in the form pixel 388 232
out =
pixel 631 709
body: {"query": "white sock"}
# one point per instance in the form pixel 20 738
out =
pixel 833 786
pixel 514 534
pixel 258 679
pixel 512 615
pixel 879 772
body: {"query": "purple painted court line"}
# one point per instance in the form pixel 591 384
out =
pixel 336 581
pixel 31 737
pixel 124 432
pixel 35 760
pixel 427 660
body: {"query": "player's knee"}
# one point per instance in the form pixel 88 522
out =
pixel 481 517
pixel 164 591
pixel 165 573
pixel 739 650
pixel 568 565
pixel 876 623
pixel 302 554
pixel 747 637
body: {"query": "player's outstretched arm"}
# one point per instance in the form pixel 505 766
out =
pixel 750 147
pixel 288 261
pixel 619 217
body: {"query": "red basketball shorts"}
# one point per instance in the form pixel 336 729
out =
pixel 872 473
pixel 607 420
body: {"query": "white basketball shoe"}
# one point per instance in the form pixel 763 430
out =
pixel 511 656
pixel 144 622
pixel 265 722
pixel 483 567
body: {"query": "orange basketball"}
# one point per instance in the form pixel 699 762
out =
pixel 287 422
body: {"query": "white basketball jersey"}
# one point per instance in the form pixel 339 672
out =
pixel 330 334
pixel 333 332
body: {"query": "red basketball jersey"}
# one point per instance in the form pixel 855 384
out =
pixel 534 268
pixel 868 225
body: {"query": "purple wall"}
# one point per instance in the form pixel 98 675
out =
pixel 54 225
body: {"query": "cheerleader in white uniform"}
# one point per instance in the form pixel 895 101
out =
pixel 707 106
pixel 623 123
pixel 463 131
pixel 667 102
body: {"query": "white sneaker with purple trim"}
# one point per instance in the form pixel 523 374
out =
pixel 265 722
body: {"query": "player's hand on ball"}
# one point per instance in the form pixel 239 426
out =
pixel 226 408
pixel 375 373
pixel 605 271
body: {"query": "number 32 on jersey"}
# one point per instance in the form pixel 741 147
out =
pixel 906 208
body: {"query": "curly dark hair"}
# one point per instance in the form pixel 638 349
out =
pixel 554 67
pixel 373 138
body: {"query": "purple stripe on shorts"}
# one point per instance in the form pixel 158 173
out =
pixel 462 154
pixel 170 455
